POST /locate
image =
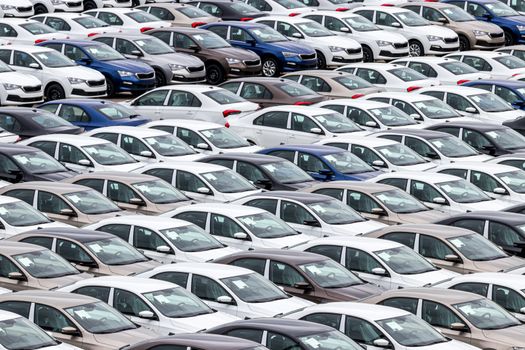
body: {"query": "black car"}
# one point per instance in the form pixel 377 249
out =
pixel 491 139
pixel 517 124
pixel 504 229
pixel 229 10
pixel 29 122
pixel 23 163
pixel 281 333
pixel 196 341
pixel 264 171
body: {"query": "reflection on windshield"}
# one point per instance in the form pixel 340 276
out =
pixel 191 238
pixel 347 163
pixel 100 318
pixel 45 264
pixel 485 314
pixel 411 331
pixel 477 248
pixel 405 261
pixel 400 202
pixel 254 288
pixel 177 303
pixel 400 155
pixel 334 212
pixel 329 274
pixel 462 191
pixel 452 147
pixel 266 225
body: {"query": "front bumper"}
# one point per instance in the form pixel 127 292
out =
pixel 21 97
pixel 245 69
pixel 19 11
pixel 440 47
pixel 189 75
pixel 300 62
pixel 134 83
pixel 489 42
pixel 93 88
pixel 390 52
pixel 340 58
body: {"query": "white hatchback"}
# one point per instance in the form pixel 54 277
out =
pixel 128 20
pixel 499 65
pixel 21 31
pixel 75 25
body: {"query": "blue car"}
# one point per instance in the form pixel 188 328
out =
pixel 495 11
pixel 512 91
pixel 92 114
pixel 122 74
pixel 325 163
pixel 278 53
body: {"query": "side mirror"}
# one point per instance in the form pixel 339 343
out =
pixel 313 223
pixel 379 271
pixel 381 343
pixel 379 163
pixel 371 124
pixel 203 190
pixel 202 145
pixel 326 172
pixel 34 65
pixel 137 53
pixel 452 258
pixel 471 110
pixel 432 155
pixel 345 30
pixel 240 235
pixel 396 25
pixel 416 116
pixel 458 326
pixel 224 299
pixel 252 42
pixel 297 35
pixel 378 211
pixel 147 154
pixel 500 190
pixel 264 183
pixel 146 314
pixel 302 285
pixel 69 331
pixel 194 48
pixel 442 20
pixel 16 276
pixel 85 60
pixel 439 200
pixel 489 148
pixel 67 211
pixel 163 249
pixel 316 131
pixel 487 16
pixel 84 162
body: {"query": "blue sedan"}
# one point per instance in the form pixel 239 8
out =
pixel 512 91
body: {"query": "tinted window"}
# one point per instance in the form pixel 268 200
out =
pixel 101 293
pixel 406 238
pixel 195 217
pixel 407 304
pixel 256 265
pixel 121 231
pixel 179 278
pixel 477 288
pixel 266 204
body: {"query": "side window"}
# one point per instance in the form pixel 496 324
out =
pixel 206 288
pixel 517 163
pixel 449 130
pixel 183 99
pixel 420 147
pixel 406 304
pixel 476 10
pixel 101 293
pixel 119 192
pixel 477 288
pixel 27 196
pixel 296 214
pixel 508 298
pixel 189 136
pixel 332 192
pixel 162 13
pixel 423 191
pixel 73 52
pixel 179 278
pixel 369 15
pixel 196 217
pixel 154 98
pixel 221 31
pixel 162 173
pixel 473 225
pixel 279 341
pixel 423 68
pixel 288 155
pixel 475 139
pixel 287 29
pixel 110 18
pixel 7 31
pixel 477 62
pixel 50 319
pixel 310 163
pixel 70 154
pixel 224 162
pixel 107 41
pixel 74 114
pixel 437 94
pixel 133 145
pixel 386 19
pixel 284 274
pixel 260 5
pixel 23 59
pixel 358 260
pixel 164 36
pixel 256 265
pixel 223 226
pixel 96 184
pixel 5 55
pixel 41 241
pixel 315 83
pixel 334 24
pixel 331 251
pixel 458 102
pixel 406 238
pixel 231 86
pixel 51 203
pixel 121 231
pixel 255 91
pixel 405 107
pixel 506 94
pixel 484 181
pixel 456 172
pixel 365 153
pixel 239 34
pixel 358 116
pixel 7 165
pixel 58 24
pixel 147 239
pixel 6 267
pixel 129 303
pixel 431 14
pixel 188 182
pixel 47 146
pixel 108 136
pixel 361 331
pixel 251 172
pixel 337 108
pixel 165 128
pixel 503 235
pixel 273 120
pixel 431 247
pixel 266 204
pixel 254 335
pixel 361 202
pixel 438 315
pixel 331 320
pixel 73 252
pixel 212 10
pixel 396 182
pixel 18 307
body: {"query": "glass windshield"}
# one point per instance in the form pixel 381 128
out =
pixel 254 288
pixel 405 261
pixel 267 34
pixel 22 334
pixel 108 154
pixel 352 82
pixel 286 172
pixel 154 46
pixel 457 14
pixel 49 120
pixel 266 225
pixel 159 192
pixel 37 28
pixel 514 179
pixel 360 24
pixel 20 214
pixel 228 181
pixel 347 163
pixel 100 318
pixel 115 111
pixel 436 109
pixel 462 191
pixel 103 53
pixel 334 212
pixel 477 248
pixel 507 138
pixel 45 264
pixel 400 202
pixel 392 116
pixel 38 163
pixel 223 97
pixel 500 9
pixel 295 89
pixel 485 314
pixel 243 9
pixel 224 138
pixel 451 146
pixel 411 331
pixel 411 19
pixel 177 303
pixel 4 67
pixel 210 40
pixel 90 22
pixel 337 123
pixel 192 12
pixel 142 17
pixel 314 29
pixel 332 340
pixel 458 68
pixel 290 4
pixel 511 62
pixel 169 145
pixel 191 238
pixel 91 202
pixel 54 59
pixel 519 5
pixel 399 154
pixel 329 274
pixel 407 74
pixel 115 251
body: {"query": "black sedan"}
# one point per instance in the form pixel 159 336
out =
pixel 229 10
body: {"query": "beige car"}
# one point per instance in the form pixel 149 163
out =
pixel 72 204
pixel 180 15
pixel 76 319
pixel 379 202
pixel 137 193
pixel 463 316
pixel 29 266
pixel 452 248
pixel 514 50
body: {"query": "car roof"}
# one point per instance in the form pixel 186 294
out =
pixel 157 222
pixel 430 4
pixel 451 296
pixel 368 311
pixel 426 134
pixel 267 80
pixel 77 234
pixel 216 271
pixel 362 140
pixel 64 15
pixel 14 248
pixel 117 175
pixel 302 197
pixel 421 176
pixel 79 140
pixel 16 21
pixel 287 19
pixel 429 59
pixel 312 148
pixel 27 48
pixel 185 30
pixel 310 111
pixel 254 158
pixel 369 187
pixel 483 127
pixel 139 132
pixel 466 90
pixel 295 328
pixel 491 168
pixel 388 9
pixel 407 96
pixel 290 256
pixel 515 84
pixel 21 110
pixel 322 73
pixel 64 187
pixel 366 104
pixel 81 101
pixel 510 218
pixel 436 230
pixel 116 10
pixel 10 148
pixel 227 209
pixel 128 36
pixel 50 297
pixel 195 124
pixel 369 244
pixel 73 42
pixel 246 25
pixel 135 284
pixel 377 65
pixel 501 278
pixel 197 167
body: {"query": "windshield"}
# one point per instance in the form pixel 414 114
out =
pixel 192 12
pixel 100 318
pixel 411 19
pixel 352 82
pixel 290 4
pixel 400 155
pixel 54 59
pixel 228 181
pixel 223 97
pixel 518 5
pixel 142 17
pixel 405 261
pixel 159 192
pixel 22 334
pixel 462 191
pixel 314 29
pixel 254 288
pixel 452 147
pixel 407 74
pixel 458 68
pixel 334 212
pixel 333 340
pixel 177 302
pixel 499 9
pixel 457 14
pixel 154 46
pixel 48 120
pixel 90 22
pixel 266 225
pixel 5 68
pixel 115 111
pixel 45 264
pixel 295 89
pixel 191 238
pixel 436 109
pixel 169 145
pixel 514 179
pixel 507 138
pixel 347 163
pixel 400 202
pixel 337 123
pixel 392 116
pixel 411 331
pixel 511 62
pixel 38 163
pixel 20 214
pixel 286 172
pixel 91 202
pixel 115 251
pixel 103 53
pixel 224 138
pixel 267 34
pixel 485 314
pixel 477 248
pixel 108 154
pixel 360 24
pixel 37 28
pixel 329 274
pixel 210 40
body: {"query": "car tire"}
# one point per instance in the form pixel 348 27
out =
pixel 464 44
pixel 415 49
pixel 89 5
pixel 509 38
pixel 214 74
pixel 321 60
pixel 160 78
pixel 40 8
pixel 270 67
pixel 368 55
pixel 110 87
pixel 54 91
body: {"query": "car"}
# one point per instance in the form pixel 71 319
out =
pixel 113 3
pixel 354 319
pixel 325 163
pixel 270 92
pixel 280 7
pixel 8 137
pixel 222 60
pixel 517 208
pixel 436 146
pixel 94 113
pixel 121 74
pixel 48 6
pixel 291 125
pixel 514 50
pixel 170 66
pixel 204 137
pixel 23 31
pixel 452 248
pixel 378 202
pixel 309 276
pixel 516 125
pixel 495 140
pixel 332 50
pixel 158 306
pixel 377 44
pixel 392 77
pixel 85 154
pixel 230 289
pixel 464 320
pixel 146 144
pixel 516 160
pixel 473 34
pixel 381 154
pixel 202 182
pixel 24 8
pixel 76 319
pixel 312 214
pixel 97 253
pixel 193 102
pixel 17 88
pixel 278 54
pixel 510 91
pixel 199 340
pixel 165 240
pixel 334 84
pixel 93 4
pixel 131 21
pixel 387 264
pixel 75 25
pixel 228 10
pixel 447 193
pixel 499 65
pixel 503 229
pixel 423 37
pixel 179 14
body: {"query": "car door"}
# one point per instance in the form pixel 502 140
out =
pixel 367 206
pixel 209 291
pixel 151 104
pixel 239 37
pixel 131 305
pixel 137 148
pixel 303 129
pixel 442 317
pixel 25 63
pixel 56 208
pixel 53 320
pixel 76 255
pixel 365 265
pixel 9 170
pixel 73 157
pixel 300 218
pixel 152 244
pixel 489 184
pixel 313 165
pixel 123 195
pixel 363 332
pixel 11 276
pixel 270 129
pixel 439 253
pixel 225 228
pixel 293 281
pixel 192 186
pixel 478 141
pixel 428 194
pixel 184 105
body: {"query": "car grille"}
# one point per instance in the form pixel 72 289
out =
pixel 496 35
pixel 145 75
pixel 400 45
pixel 353 51
pixel 24 9
pixel 73 4
pixel 252 62
pixel 451 40
pixel 32 88
pixel 195 69
pixel 308 57
pixel 96 82
pixel 16 98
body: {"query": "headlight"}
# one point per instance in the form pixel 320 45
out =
pixel 521 28
pixel 231 60
pixel 335 48
pixel 289 54
pixel 76 80
pixel 433 38
pixel 383 43
pixel 57 2
pixel 480 33
pixel 7 7
pixel 124 73
pixel 11 86
pixel 176 66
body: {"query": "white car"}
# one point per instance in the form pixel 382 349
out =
pixel 17 216
pixel 21 31
pixel 287 124
pixel 147 145
pixel 202 182
pixel 332 50
pixel 327 4
pixel 377 44
pixel 479 104
pixel 205 137
pixel 16 8
pixel 393 328
pixel 516 160
pixel 8 137
pixel 499 65
pixel 499 181
pixel 75 25
pixel 195 102
pixel 423 37
pixel 313 214
pixel 83 153
pixel 61 78
pixel 117 3
pixel 387 264
pixel 230 289
pixel 392 77
pixel 447 193
pixel 18 88
pixel 240 226
pixel 50 6
pixel 447 70
pixel 128 20
pixel 381 154
pixel 165 240
pixel 158 306
pixel 280 7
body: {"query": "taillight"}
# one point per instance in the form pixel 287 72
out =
pixel 387 5
pixel 230 112
pixel 145 29
pixel 245 19
pixel 92 34
pixel 38 41
pixel 197 24
pixel 412 88
pixel 342 9
pixel 227 125
pixel 516 74
pixel 293 14
pixel 18 139
pixel 463 81
pixel 357 96
pixel 302 103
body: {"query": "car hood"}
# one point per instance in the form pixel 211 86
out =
pixel 383 34
pixel 120 339
pixel 201 322
pixel 422 217
pixel 435 30
pixel 356 292
pixel 340 41
pixel 66 129
pixel 129 65
pixel 508 115
pixel 451 344
pixel 162 208
pixel 422 279
pixel 61 346
pixel 418 167
pixel 356 228
pixel 176 58
pixel 212 254
pixel 247 149
pixel 286 242
pixel 78 71
pixel 365 176
pixel 480 25
pixel 56 176
pixel 19 79
pixel 235 52
pixel 498 264
pixel 494 204
pixel 476 158
pixel 515 19
pixel 293 47
pixel 121 167
pixel 233 196
pixel 512 336
pixel 276 307
pixel 132 269
pixel 51 283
